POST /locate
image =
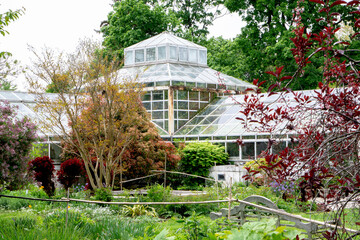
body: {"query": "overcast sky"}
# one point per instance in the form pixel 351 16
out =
pixel 60 24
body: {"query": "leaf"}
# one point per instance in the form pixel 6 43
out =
pixel 272 86
pixel 338 2
pixel 351 3
pixel 357 23
pixel 355 12
pixel 318 1
pixel 325 9
pixel 341 42
pixel 271 73
pixel 279 70
pixel 286 78
pixel 355 35
pixel 255 81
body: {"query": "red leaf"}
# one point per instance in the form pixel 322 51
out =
pixel 255 81
pixel 357 223
pixel 335 14
pixel 342 42
pixel 319 19
pixel 325 9
pixel 272 73
pixel 261 83
pixel 321 84
pixel 351 3
pixel 279 70
pixel 357 23
pixel 337 3
pixel 238 118
pixel 285 78
pixel 318 1
pixel 272 86
pixel 355 35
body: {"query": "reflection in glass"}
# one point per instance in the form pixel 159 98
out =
pixel 260 147
pixel 129 57
pixel 161 53
pixel 233 149
pixel 183 54
pixel 139 55
pixel 193 55
pixel 150 54
pixel 247 150
pixel 182 105
pixel 173 53
pixel 157 105
pixel 202 57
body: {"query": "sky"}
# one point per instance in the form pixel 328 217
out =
pixel 61 24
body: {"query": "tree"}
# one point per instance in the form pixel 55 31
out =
pixel 43 170
pixel 324 125
pixel 100 106
pixel 130 22
pixel 8 67
pixel 69 172
pixel 16 138
pixel 194 16
pixel 198 157
pixel 265 40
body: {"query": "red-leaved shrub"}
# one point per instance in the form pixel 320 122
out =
pixel 69 172
pixel 43 170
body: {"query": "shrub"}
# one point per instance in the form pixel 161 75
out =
pixel 103 194
pixel 198 157
pixel 43 170
pixel 16 137
pixel 69 172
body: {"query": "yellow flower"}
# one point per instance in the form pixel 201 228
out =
pixel 68 206
pixel 42 187
pixel 29 206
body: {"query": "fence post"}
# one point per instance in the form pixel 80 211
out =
pixel 230 197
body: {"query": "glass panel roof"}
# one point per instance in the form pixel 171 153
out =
pixel 219 117
pixel 179 72
pixel 163 39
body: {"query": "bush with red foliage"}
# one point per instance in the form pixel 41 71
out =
pixel 69 172
pixel 43 171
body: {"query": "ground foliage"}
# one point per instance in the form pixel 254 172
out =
pixel 324 125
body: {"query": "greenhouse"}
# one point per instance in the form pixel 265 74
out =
pixel 186 99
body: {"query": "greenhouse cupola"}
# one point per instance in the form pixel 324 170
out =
pixel 165 47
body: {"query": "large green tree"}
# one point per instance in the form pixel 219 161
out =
pixel 265 40
pixel 130 22
pixel 8 66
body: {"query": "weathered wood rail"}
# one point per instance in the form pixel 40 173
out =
pixel 248 211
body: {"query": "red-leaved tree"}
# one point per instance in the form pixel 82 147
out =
pixel 43 171
pixel 323 124
pixel 70 171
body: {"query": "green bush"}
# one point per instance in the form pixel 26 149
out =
pixel 103 194
pixel 198 157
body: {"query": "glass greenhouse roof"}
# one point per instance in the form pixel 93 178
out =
pixel 163 39
pixel 219 118
pixel 171 74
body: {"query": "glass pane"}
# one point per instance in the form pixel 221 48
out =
pixel 192 114
pixel 173 53
pixel 190 84
pixel 160 123
pixel 278 147
pixel 233 149
pixel 129 57
pixel 182 105
pixel 157 105
pixel 194 96
pixel 161 53
pixel 178 83
pixel 182 122
pixel 184 130
pixel 158 95
pixel 183 115
pixel 163 83
pixel 146 97
pixel 201 85
pixel 202 57
pixel 158 115
pixel 209 119
pixel 260 147
pixel 139 55
pixel 150 54
pixel 211 129
pixel 222 119
pixel 193 105
pixel 182 95
pixel 193 55
pixel 147 105
pixel 196 120
pixel 208 110
pixel 55 151
pixel 183 54
pixel 197 130
pixel 248 150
